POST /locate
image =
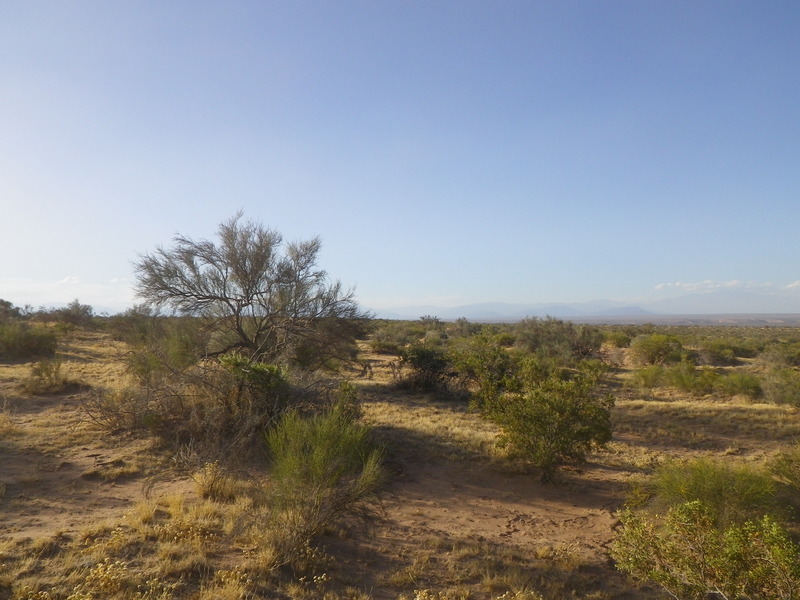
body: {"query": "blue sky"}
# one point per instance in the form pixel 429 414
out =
pixel 446 153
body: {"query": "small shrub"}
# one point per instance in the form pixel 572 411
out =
pixel 617 339
pixel 487 369
pixel 782 387
pixel 47 378
pixel 555 422
pixel 739 383
pixel 560 340
pixel 655 349
pixel 646 379
pixel 75 314
pixel 324 467
pixel 781 355
pixel 731 493
pixel 379 346
pixel 429 366
pixel 717 353
pixel 215 483
pixel 688 378
pixel 19 341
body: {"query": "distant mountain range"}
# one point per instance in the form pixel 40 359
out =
pixel 738 302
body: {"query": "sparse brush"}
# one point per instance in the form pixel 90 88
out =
pixel 47 377
pixel 215 483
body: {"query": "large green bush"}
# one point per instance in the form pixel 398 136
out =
pixel 692 558
pixel 554 422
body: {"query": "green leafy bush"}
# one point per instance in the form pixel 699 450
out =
pixel 488 369
pixel 323 468
pixel 19 341
pixel 786 467
pixel 555 422
pixel 691 558
pixel 655 349
pixel 782 354
pixel 75 314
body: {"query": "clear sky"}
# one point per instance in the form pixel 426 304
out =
pixel 446 152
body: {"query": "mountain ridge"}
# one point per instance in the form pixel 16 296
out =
pixel 718 303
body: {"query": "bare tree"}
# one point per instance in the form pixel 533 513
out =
pixel 258 295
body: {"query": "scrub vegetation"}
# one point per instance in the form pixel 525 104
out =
pixel 250 432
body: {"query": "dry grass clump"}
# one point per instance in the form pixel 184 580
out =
pixel 449 428
pixel 443 568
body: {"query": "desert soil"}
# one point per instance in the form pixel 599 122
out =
pixel 60 474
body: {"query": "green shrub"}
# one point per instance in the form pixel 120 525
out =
pixel 429 366
pixel 731 493
pixel 617 339
pixel 739 383
pixel 323 468
pixel 255 386
pixel 782 387
pixel 717 353
pixel 19 341
pixel 688 378
pixel 691 558
pixel 560 340
pixel 488 369
pixel 160 345
pixel 554 422
pixel 782 354
pixel 75 314
pixel 646 379
pixel 220 408
pixel 655 349
pixel 9 312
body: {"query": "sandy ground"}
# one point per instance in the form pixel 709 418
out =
pixel 58 474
